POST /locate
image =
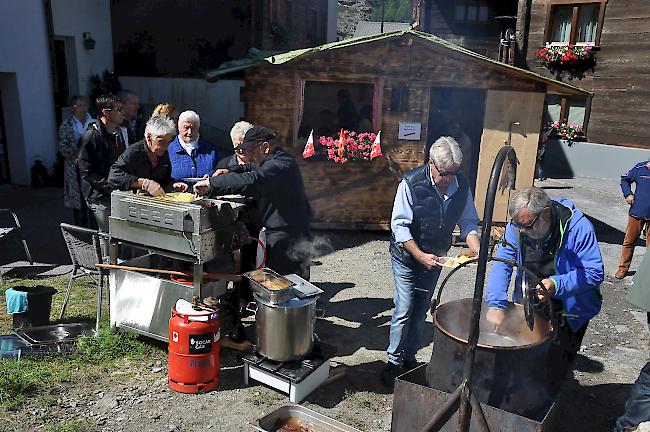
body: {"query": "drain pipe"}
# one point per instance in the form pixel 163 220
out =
pixel 521 33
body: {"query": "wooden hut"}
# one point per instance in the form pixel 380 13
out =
pixel 414 87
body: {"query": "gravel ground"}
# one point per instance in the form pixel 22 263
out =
pixel 358 287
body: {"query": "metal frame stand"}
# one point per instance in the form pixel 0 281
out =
pixel 462 399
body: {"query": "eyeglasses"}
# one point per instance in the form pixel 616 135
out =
pixel 247 151
pixel 527 226
pixel 121 110
pixel 444 173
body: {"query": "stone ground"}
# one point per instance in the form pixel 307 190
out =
pixel 357 281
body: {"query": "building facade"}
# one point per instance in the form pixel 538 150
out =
pixel 39 74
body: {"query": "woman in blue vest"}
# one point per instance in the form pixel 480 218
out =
pixel 191 157
pixel 430 201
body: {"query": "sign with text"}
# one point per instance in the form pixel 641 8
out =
pixel 409 131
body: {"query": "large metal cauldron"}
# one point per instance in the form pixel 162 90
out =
pixel 510 369
pixel 285 332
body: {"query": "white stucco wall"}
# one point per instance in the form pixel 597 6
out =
pixel 26 86
pixel 585 159
pixel 72 18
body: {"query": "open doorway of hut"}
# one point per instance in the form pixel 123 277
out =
pixel 328 107
pixel 458 112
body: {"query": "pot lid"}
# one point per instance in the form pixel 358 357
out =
pixel 293 302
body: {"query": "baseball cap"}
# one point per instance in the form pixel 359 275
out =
pixel 255 136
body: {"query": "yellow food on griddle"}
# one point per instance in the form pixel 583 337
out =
pixel 179 197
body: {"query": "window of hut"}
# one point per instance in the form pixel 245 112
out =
pixel 328 107
pixel 575 23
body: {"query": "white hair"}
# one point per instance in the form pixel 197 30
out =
pixel 533 198
pixel 445 152
pixel 238 131
pixel 159 126
pixel 191 117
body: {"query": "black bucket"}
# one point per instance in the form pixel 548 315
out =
pixel 39 299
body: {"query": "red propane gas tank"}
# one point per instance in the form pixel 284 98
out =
pixel 194 351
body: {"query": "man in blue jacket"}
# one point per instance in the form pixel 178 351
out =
pixel 639 214
pixel 558 246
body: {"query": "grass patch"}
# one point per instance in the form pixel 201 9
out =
pixel 34 378
pixel 73 426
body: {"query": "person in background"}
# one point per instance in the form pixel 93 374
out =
pixel 191 157
pixel 70 132
pixel 167 110
pixel 273 178
pixel 347 113
pixel 430 201
pixel 101 145
pixel 639 214
pixel 637 407
pixel 558 245
pixel 132 121
pixel 145 165
pixel 240 157
pixel 454 130
pixel 327 127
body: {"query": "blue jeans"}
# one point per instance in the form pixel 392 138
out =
pixel 413 291
pixel 637 407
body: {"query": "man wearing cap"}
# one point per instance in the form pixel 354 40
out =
pixel 273 178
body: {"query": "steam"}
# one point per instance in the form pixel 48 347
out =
pixel 309 248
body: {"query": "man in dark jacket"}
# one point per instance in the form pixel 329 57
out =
pixel 145 165
pixel 273 179
pixel 639 214
pixel 430 201
pixel 101 145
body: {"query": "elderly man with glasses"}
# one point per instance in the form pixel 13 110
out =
pixel 273 178
pixel 557 244
pixel 430 201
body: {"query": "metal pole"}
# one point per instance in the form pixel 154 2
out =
pixel 465 411
pixel 382 15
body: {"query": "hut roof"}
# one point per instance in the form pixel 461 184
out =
pixel 423 38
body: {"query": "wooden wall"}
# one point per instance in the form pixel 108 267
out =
pixel 482 38
pixel 361 193
pixel 620 109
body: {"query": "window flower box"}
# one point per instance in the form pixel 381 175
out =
pixel 573 59
pixel 355 147
pixel 565 131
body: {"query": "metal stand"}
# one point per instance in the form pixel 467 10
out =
pixel 462 400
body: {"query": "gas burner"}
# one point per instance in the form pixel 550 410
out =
pixel 298 378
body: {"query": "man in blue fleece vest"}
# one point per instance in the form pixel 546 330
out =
pixel 430 201
pixel 639 215
pixel 558 245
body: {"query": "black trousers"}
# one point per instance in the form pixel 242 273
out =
pixel 288 252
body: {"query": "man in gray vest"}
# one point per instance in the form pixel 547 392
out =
pixel 430 201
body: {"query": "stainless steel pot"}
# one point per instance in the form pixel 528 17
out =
pixel 285 332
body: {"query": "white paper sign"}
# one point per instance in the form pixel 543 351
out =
pixel 409 131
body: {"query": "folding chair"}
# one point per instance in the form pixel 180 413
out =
pixel 85 251
pixel 15 230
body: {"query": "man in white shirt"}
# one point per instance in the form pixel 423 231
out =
pixel 430 201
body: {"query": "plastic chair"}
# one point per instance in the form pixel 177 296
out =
pixel 85 251
pixel 15 230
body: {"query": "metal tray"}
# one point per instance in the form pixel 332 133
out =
pixel 302 288
pixel 260 278
pixel 54 334
pixel 314 421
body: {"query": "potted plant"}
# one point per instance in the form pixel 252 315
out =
pixel 573 59
pixel 354 146
pixel 567 131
